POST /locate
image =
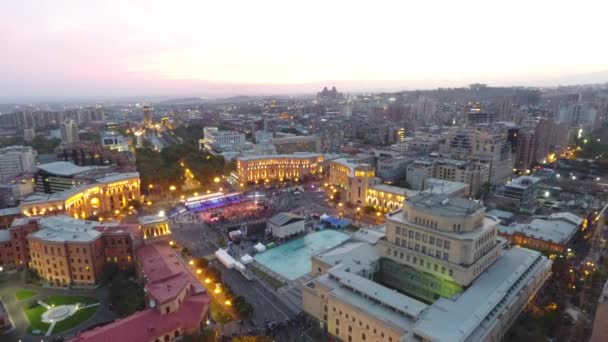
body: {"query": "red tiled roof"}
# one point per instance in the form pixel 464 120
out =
pixel 168 288
pixel 149 324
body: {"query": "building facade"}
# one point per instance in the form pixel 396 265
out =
pixel 472 173
pixel 217 141
pixel 259 168
pixel 15 160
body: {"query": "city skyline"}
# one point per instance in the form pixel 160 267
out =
pixel 73 49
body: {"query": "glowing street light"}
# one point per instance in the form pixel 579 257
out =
pixel 199 271
pixel 172 188
pixel 216 180
pixel 228 303
pixel 191 262
pixel 207 280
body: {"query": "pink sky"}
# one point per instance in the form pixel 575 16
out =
pixel 203 48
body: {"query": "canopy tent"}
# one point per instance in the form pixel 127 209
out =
pixel 336 222
pixel 323 217
pixel 225 258
pixel 259 247
pixel 246 259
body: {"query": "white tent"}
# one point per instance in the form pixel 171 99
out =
pixel 246 259
pixel 323 217
pixel 239 266
pixel 225 258
pixel 259 247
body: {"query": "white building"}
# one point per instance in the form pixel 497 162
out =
pixel 283 225
pixel 69 132
pixel 578 114
pixel 15 160
pixel 217 141
pixel 115 141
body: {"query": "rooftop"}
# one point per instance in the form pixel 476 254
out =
pixel 117 176
pixel 62 228
pixel 552 230
pixel 444 205
pixel 523 182
pixel 354 256
pixel 301 155
pixel 394 190
pixel 10 211
pixel 63 168
pixel 440 186
pixel 282 219
pixel 151 219
pixel 467 316
pixel 5 235
pixel 370 235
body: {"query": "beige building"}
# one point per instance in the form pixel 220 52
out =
pixel 256 168
pixel 469 288
pixel 104 197
pixel 155 228
pixel 292 144
pixel 352 178
pixel 474 174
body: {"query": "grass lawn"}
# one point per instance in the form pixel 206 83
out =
pixel 25 294
pixel 35 314
pixel 218 313
pixel 268 279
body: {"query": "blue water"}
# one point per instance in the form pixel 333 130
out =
pixel 292 260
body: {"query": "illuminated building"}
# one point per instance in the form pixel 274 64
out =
pixel 279 167
pixel 353 177
pixel 292 144
pixel 440 273
pixel 147 115
pixel 155 227
pixel 386 197
pixel 106 195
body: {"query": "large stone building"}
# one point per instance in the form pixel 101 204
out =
pixel 102 196
pixel 439 274
pixel 217 141
pixel 521 192
pixel 260 168
pixel 292 144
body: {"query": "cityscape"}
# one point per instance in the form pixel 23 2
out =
pixel 167 178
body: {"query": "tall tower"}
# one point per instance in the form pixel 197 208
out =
pixel 147 115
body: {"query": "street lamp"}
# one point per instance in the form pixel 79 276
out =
pixel 172 188
pixel 199 271
pixel 216 180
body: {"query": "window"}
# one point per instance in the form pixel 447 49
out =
pixel 417 235
pixel 451 273
pixel 443 269
pixel 445 256
pixel 435 267
pixel 424 237
pixel 363 337
pixel 397 241
pixel 417 248
pixel 398 230
pixel 337 321
pixel 432 240
pixel 411 234
pixel 439 242
pixel 401 255
pixel 446 244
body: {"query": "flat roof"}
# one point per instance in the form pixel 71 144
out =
pixel 556 231
pixel 468 315
pixel 117 176
pixel 370 235
pixel 444 205
pixel 301 155
pixel 440 186
pixel 282 219
pixel 63 228
pixel 387 297
pixel 63 168
pixel 5 235
pixel 355 256
pixel 523 182
pixel 150 219
pixel 394 190
pixel 10 211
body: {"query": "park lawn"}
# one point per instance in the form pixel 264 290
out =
pixel 34 314
pixel 25 294
pixel 268 279
pixel 218 313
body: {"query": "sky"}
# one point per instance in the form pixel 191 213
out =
pixel 229 47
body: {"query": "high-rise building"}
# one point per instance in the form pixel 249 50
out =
pixel 525 153
pixel 28 134
pixel 217 141
pixel 484 144
pixel 69 132
pixel 15 160
pixel 147 115
pixel 472 173
pixel 577 114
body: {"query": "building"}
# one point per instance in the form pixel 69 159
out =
pixel 292 144
pixel 577 115
pixel 472 173
pixel 440 186
pixel 15 188
pixel 7 216
pixel 386 198
pixel 525 154
pixel 147 116
pixel 419 142
pixel 86 153
pixel 216 141
pixel 521 191
pixel 101 196
pixel 283 225
pixel 177 304
pixel 66 252
pixel 28 134
pixel 476 116
pixel 69 132
pixel 155 228
pixel 15 160
pixel 255 168
pixel 58 176
pixel 439 274
pixel 392 169
pixel 484 144
pixel 114 141
pixel 353 178
pixel 551 234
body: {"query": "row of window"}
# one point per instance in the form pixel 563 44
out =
pixel 350 328
pixel 439 242
pixel 421 262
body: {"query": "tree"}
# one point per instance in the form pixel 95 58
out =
pixel 126 296
pixel 213 273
